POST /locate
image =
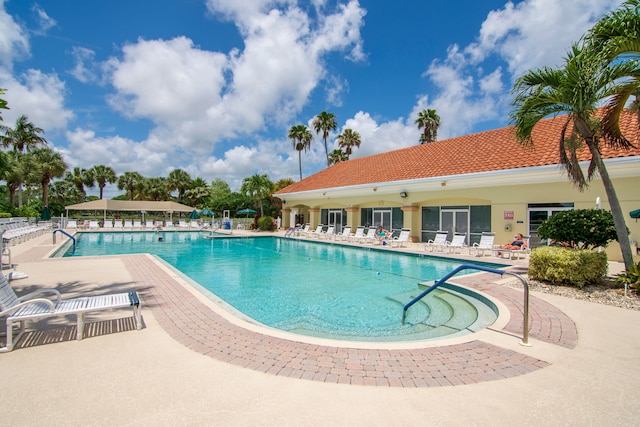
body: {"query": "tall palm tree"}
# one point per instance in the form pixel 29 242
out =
pixel 103 175
pixel 325 122
pixel 14 173
pixel 156 189
pixel 616 38
pixel 301 139
pixel 80 177
pixel 337 156
pixel 48 164
pixel 3 103
pixel 129 181
pixel 179 180
pixel 430 121
pixel 25 136
pixel 575 90
pixel 258 187
pixel 347 140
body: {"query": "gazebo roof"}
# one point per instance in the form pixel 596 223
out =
pixel 130 205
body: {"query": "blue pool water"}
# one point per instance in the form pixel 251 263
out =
pixel 308 288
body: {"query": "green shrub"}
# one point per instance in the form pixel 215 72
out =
pixel 5 215
pixel 631 277
pixel 584 228
pixel 574 267
pixel 265 223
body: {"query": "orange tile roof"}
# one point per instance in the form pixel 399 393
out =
pixel 491 150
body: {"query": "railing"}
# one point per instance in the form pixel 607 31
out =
pixel 66 234
pixel 525 332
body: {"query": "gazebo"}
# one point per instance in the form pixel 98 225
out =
pixel 129 206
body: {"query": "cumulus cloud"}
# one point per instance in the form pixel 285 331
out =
pixel 14 42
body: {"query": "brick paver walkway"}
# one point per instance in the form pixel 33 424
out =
pixel 195 325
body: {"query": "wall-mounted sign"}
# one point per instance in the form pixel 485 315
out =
pixel 508 214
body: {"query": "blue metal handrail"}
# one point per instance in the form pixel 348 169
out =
pixel 66 234
pixel 525 332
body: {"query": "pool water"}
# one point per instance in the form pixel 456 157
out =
pixel 316 289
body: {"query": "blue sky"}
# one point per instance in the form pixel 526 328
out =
pixel 212 86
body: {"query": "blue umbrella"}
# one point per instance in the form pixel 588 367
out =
pixel 246 211
pixel 194 214
pixel 46 214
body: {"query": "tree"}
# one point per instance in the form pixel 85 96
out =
pixel 3 103
pixel 103 175
pixel 430 121
pixel 282 183
pixel 179 180
pixel 575 90
pixel 347 140
pixel 199 193
pixel 616 38
pixel 325 122
pixel 129 181
pixel 258 187
pixel 25 136
pixel 48 164
pixel 80 177
pixel 301 139
pixel 337 156
pixel 156 189
pixel 579 228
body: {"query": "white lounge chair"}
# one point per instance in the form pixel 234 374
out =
pixel 438 243
pixel 107 224
pixel 149 225
pixel 94 224
pixel 457 243
pixel 370 237
pixel 316 233
pixel 485 244
pixel 183 224
pixel 303 231
pixel 137 224
pixel 329 233
pixel 117 223
pixel 346 233
pixel 128 224
pixel 524 250
pixel 359 234
pixel 33 307
pixel 402 239
pixel 72 223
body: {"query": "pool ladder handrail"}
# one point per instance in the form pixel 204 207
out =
pixel 66 234
pixel 525 332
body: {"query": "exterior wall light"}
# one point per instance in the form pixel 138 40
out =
pixel 403 194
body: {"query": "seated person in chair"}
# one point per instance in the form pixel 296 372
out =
pixel 517 244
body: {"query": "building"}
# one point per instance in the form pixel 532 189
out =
pixel 486 181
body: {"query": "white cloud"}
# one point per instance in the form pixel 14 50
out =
pixel 39 96
pixel 14 42
pixel 381 137
pixel 45 22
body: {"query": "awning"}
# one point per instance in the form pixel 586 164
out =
pixel 635 214
pixel 130 205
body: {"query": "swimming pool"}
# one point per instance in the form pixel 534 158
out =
pixel 311 288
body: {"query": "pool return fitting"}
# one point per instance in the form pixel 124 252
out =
pixel 525 332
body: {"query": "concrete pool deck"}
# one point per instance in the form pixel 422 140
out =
pixel 194 365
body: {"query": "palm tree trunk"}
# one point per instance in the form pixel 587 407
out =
pixel 616 210
pixel 20 194
pixel 300 163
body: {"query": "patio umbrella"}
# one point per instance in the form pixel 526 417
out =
pixel 194 214
pixel 246 211
pixel 46 214
pixel 207 212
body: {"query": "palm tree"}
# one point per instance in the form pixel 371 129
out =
pixel 79 178
pixel 156 189
pixel 25 136
pixel 14 173
pixel 3 103
pixel 258 187
pixel 180 180
pixel 301 139
pixel 325 122
pixel 48 164
pixel 575 90
pixel 347 140
pixel 103 175
pixel 430 121
pixel 616 38
pixel 337 156
pixel 129 181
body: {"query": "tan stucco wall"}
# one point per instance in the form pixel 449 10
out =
pixel 514 198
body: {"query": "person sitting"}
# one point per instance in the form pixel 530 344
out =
pixel 517 244
pixel 381 233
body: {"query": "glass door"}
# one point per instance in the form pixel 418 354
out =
pixel 383 218
pixel 454 221
pixel 335 219
pixel 536 217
